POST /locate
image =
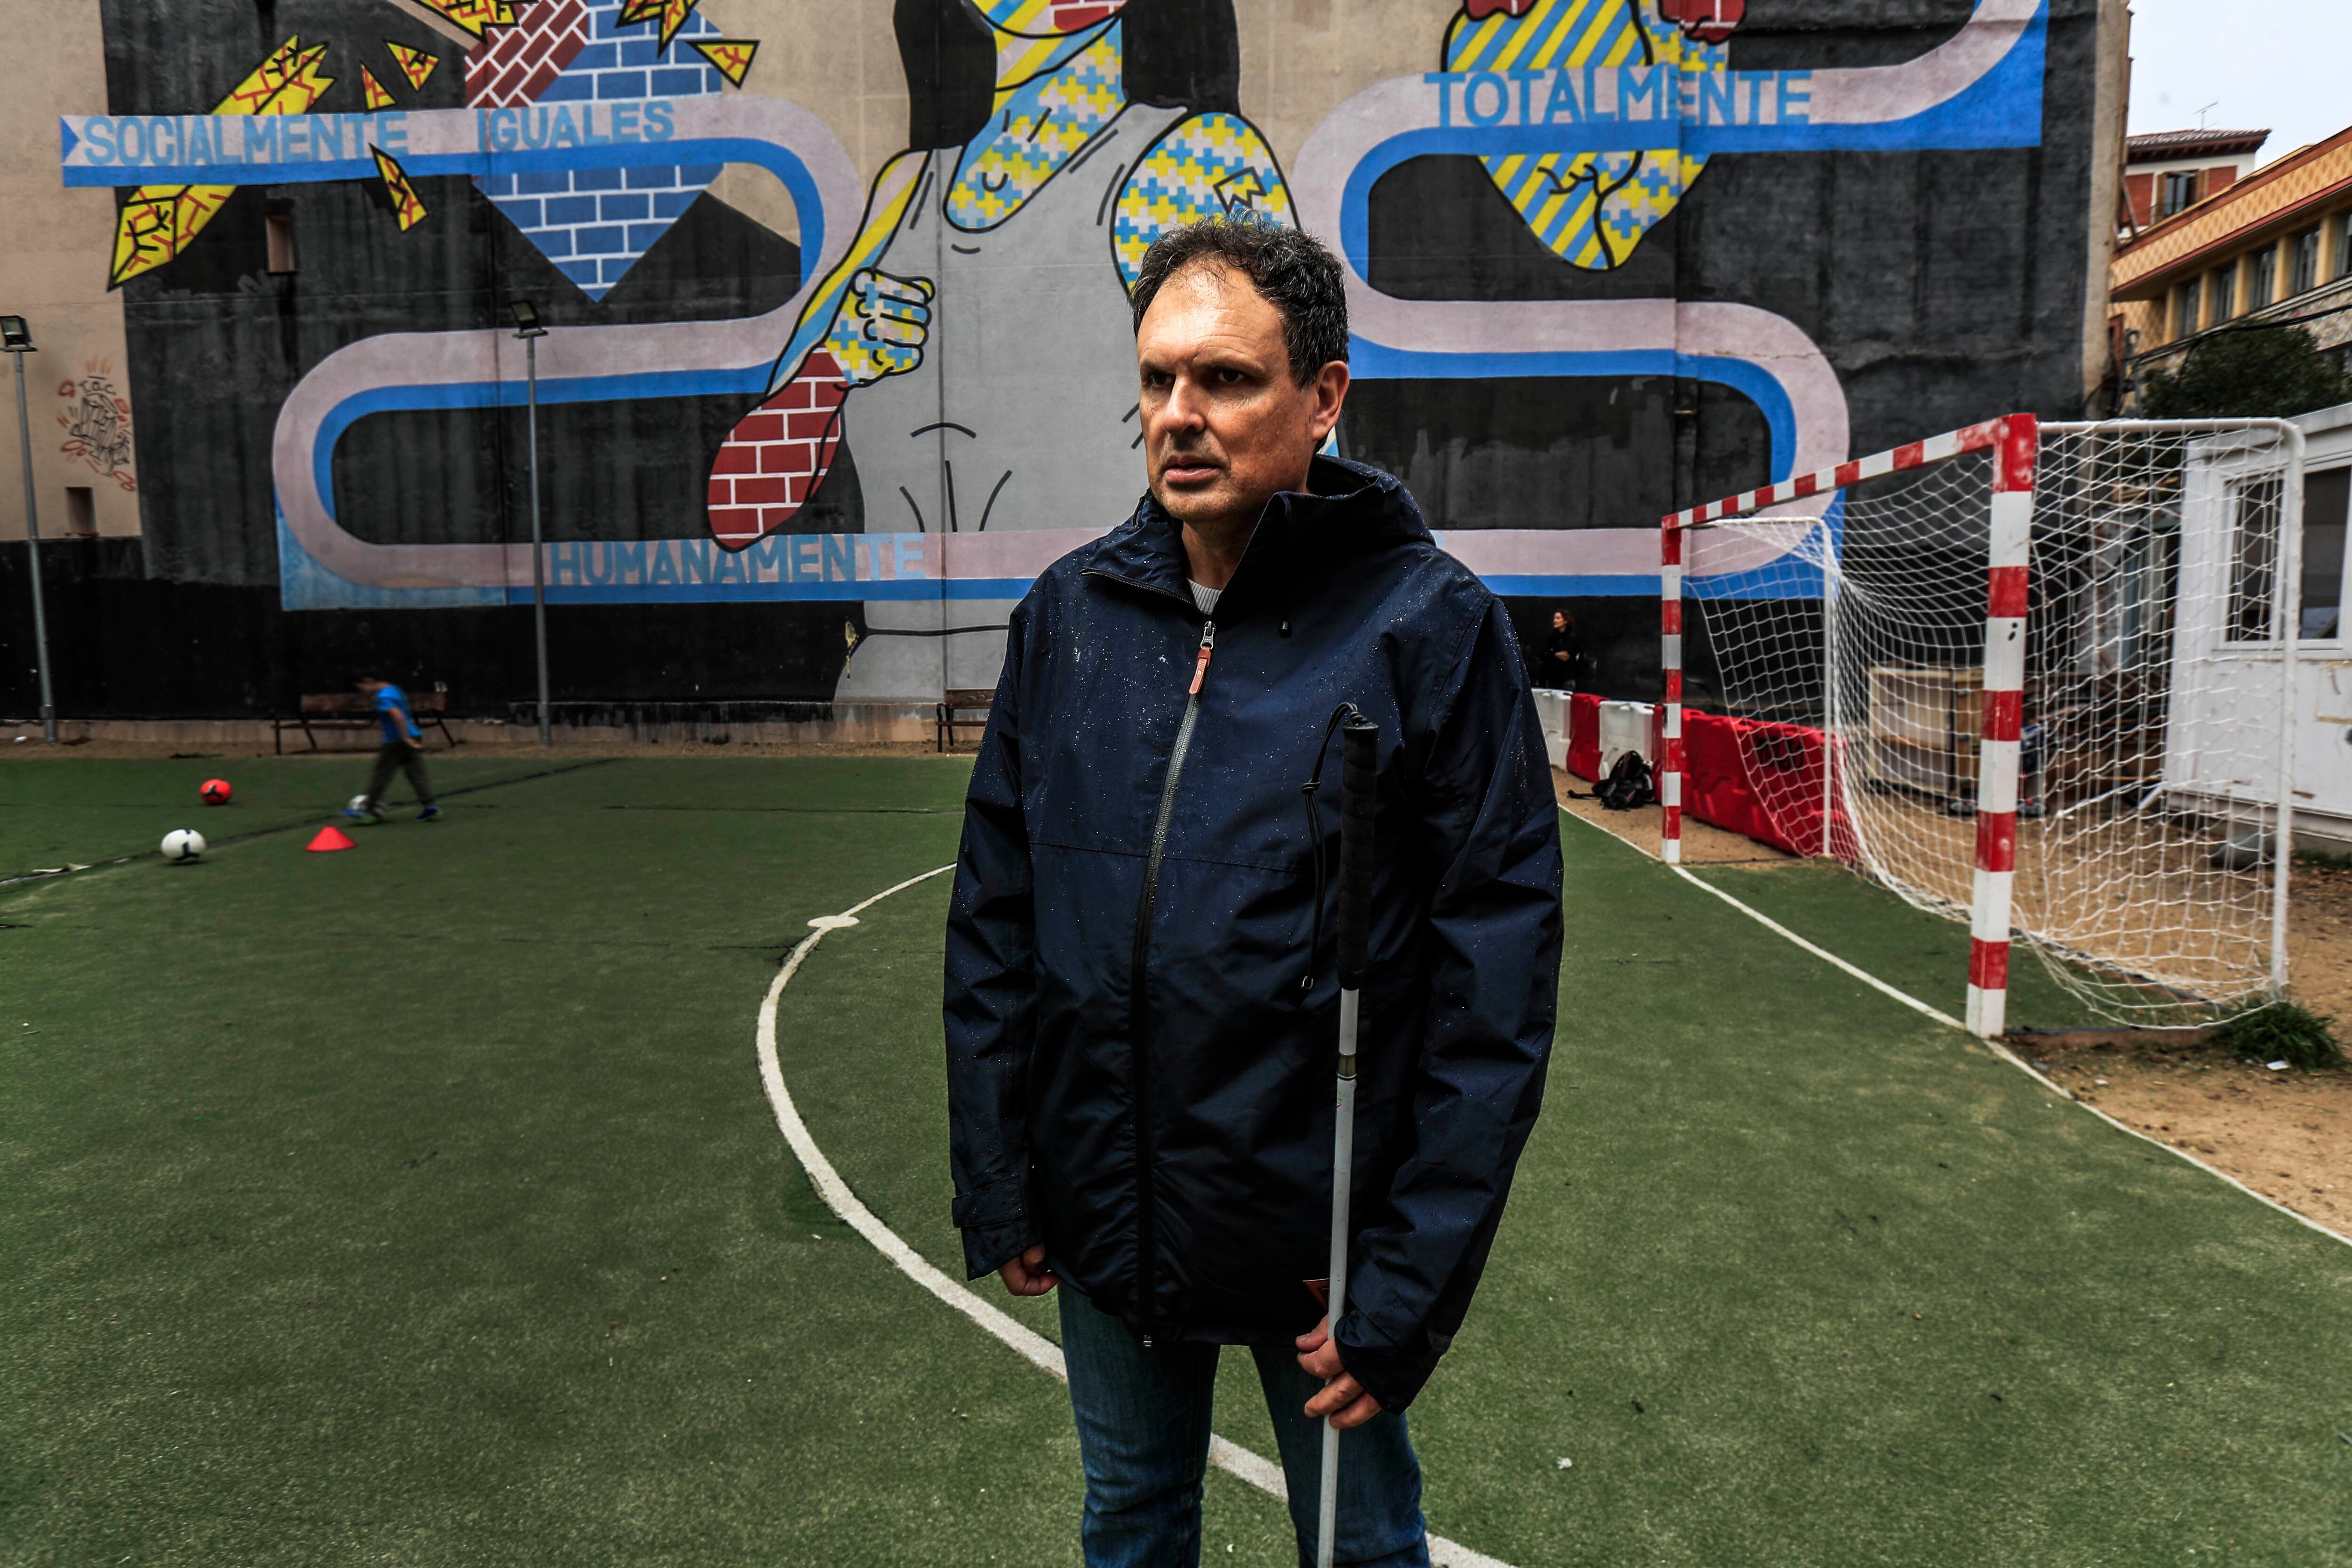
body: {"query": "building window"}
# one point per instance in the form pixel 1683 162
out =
pixel 2179 190
pixel 2184 309
pixel 2264 287
pixel 282 242
pixel 2305 276
pixel 2343 244
pixel 2224 290
pixel 2326 500
pixel 81 512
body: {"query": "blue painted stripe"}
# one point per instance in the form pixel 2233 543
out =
pixel 1377 362
pixel 1573 585
pixel 515 395
pixel 781 161
pixel 2002 109
pixel 900 589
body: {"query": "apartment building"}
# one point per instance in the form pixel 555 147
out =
pixel 2274 247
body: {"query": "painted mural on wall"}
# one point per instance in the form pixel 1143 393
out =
pixel 944 403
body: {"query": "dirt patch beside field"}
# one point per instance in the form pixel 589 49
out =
pixel 2286 1134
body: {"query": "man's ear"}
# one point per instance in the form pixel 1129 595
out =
pixel 1331 393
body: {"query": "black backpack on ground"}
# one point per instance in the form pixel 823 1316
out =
pixel 1627 785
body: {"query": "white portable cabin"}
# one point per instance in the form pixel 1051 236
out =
pixel 2222 746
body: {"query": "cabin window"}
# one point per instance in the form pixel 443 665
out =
pixel 2253 557
pixel 2326 500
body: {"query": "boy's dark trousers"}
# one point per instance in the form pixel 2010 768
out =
pixel 399 757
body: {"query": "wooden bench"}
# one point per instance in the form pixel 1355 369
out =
pixel 356 710
pixel 955 711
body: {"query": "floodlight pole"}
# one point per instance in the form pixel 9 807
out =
pixel 531 332
pixel 17 351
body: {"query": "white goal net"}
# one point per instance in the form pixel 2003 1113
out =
pixel 2150 759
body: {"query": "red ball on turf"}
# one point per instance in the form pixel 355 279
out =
pixel 215 792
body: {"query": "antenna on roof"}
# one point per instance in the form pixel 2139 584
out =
pixel 2207 110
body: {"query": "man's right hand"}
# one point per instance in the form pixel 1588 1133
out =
pixel 1027 1274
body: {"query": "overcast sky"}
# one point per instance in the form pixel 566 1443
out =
pixel 2284 64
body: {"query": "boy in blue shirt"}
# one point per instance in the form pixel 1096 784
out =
pixel 403 750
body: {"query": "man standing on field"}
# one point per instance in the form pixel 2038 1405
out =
pixel 1141 998
pixel 403 750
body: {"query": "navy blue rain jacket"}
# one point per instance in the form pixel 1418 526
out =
pixel 1142 1045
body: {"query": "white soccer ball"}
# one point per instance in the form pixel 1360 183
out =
pixel 182 844
pixel 358 802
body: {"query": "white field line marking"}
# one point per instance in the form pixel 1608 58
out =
pixel 1998 1048
pixel 1032 1346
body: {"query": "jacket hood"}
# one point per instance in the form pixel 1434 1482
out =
pixel 1345 506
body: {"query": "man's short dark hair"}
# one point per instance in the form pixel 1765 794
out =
pixel 1292 270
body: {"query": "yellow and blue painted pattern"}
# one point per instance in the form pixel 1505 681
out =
pixel 1038 126
pixel 1590 209
pixel 831 312
pixel 1210 166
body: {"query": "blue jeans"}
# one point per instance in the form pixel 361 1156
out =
pixel 1143 1434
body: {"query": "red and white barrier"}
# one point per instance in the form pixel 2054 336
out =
pixel 2013 442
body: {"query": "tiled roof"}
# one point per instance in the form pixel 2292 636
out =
pixel 2151 145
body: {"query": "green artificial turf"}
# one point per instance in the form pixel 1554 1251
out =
pixel 1792 1274
pixel 1922 955
pixel 421 1204
pixel 75 810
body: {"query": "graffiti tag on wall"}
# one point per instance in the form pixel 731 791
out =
pixel 96 422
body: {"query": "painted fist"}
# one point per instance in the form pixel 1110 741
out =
pixel 880 326
pixel 1709 21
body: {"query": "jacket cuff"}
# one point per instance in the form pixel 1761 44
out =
pixel 1003 1201
pixel 988 1248
pixel 1391 1373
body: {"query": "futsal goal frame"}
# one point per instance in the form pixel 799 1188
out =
pixel 2013 443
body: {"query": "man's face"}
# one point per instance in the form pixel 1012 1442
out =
pixel 371 686
pixel 1225 425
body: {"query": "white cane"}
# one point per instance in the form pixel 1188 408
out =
pixel 1359 740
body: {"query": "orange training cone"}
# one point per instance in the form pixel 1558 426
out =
pixel 331 838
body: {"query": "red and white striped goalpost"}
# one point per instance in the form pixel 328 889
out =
pixel 2013 442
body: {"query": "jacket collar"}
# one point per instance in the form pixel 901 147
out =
pixel 1345 506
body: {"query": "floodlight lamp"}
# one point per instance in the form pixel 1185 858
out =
pixel 16 338
pixel 526 319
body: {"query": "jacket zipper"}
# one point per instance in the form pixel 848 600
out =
pixel 1145 1237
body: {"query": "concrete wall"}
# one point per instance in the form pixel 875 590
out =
pixel 839 354
pixel 53 271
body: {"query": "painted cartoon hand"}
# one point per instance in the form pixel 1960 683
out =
pixel 880 326
pixel 1709 21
